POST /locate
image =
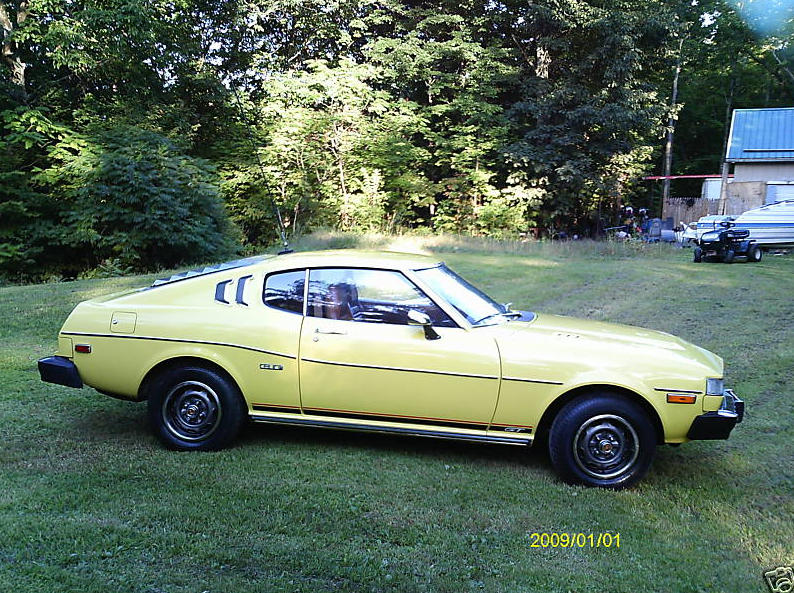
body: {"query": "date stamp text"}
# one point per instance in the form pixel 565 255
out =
pixel 574 540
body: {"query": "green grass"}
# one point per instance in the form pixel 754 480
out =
pixel 89 502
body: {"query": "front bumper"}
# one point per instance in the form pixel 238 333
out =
pixel 718 425
pixel 59 370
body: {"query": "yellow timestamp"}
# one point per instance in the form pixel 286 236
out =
pixel 574 540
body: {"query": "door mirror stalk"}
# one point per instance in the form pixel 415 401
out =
pixel 419 318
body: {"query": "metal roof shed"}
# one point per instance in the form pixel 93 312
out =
pixel 761 135
pixel 761 151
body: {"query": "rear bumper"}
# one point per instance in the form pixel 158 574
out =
pixel 718 425
pixel 59 370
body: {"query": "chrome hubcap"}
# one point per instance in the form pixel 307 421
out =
pixel 191 411
pixel 605 446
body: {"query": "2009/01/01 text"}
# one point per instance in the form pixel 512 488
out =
pixel 574 540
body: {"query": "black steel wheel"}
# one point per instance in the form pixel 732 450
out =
pixel 605 440
pixel 754 254
pixel 194 408
pixel 697 255
pixel 729 255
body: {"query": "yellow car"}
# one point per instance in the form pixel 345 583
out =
pixel 390 343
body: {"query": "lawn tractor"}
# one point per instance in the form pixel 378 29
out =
pixel 726 244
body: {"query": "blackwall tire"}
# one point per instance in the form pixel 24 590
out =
pixel 195 409
pixel 604 440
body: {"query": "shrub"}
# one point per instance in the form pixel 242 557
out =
pixel 139 202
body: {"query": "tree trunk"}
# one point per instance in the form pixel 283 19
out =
pixel 784 67
pixel 725 137
pixel 668 145
pixel 543 63
pixel 339 155
pixel 9 48
pixel 542 68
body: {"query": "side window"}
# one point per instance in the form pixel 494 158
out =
pixel 375 296
pixel 285 291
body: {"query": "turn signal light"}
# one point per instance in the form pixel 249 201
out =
pixel 680 398
pixel 84 348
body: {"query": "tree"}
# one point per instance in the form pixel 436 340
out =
pixel 138 200
pixel 12 17
pixel 336 153
pixel 587 115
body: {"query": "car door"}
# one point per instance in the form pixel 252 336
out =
pixel 270 333
pixel 359 358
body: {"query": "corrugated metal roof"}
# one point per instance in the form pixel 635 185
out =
pixel 762 135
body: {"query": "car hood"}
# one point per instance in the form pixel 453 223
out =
pixel 583 343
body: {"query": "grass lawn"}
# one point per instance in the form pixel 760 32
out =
pixel 89 502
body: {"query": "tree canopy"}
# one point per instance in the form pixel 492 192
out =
pixel 132 131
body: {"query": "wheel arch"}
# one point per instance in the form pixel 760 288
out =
pixel 181 361
pixel 554 408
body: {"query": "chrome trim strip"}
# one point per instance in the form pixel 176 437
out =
pixel 677 390
pixel 408 370
pixel 281 354
pixel 532 380
pixel 305 292
pixel 373 416
pixel 455 436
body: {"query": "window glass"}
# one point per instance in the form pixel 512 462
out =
pixel 375 296
pixel 285 291
pixel 471 302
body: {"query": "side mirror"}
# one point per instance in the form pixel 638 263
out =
pixel 418 318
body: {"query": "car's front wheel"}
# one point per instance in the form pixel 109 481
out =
pixel 604 440
pixel 195 409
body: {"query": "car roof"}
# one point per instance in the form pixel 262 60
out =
pixel 349 258
pixel 354 258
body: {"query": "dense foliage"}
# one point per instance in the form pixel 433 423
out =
pixel 132 131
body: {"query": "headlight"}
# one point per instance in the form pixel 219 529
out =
pixel 715 386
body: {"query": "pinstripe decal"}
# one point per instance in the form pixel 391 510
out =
pixel 677 390
pixel 281 354
pixel 302 421
pixel 404 369
pixel 531 380
pixel 355 415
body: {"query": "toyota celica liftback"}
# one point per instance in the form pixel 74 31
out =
pixel 390 343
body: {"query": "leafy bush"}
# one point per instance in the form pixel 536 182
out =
pixel 138 201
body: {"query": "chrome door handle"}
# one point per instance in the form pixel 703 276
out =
pixel 330 332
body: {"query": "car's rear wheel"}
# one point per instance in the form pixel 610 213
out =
pixel 754 254
pixel 194 408
pixel 603 440
pixel 697 255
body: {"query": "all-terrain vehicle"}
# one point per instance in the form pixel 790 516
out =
pixel 726 244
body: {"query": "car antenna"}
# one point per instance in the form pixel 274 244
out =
pixel 248 127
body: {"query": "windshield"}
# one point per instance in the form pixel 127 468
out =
pixel 476 306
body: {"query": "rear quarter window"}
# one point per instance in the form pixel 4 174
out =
pixel 284 290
